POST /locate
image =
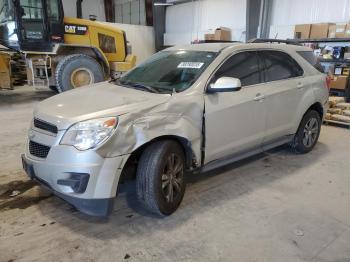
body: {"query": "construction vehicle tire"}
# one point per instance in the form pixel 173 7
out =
pixel 53 88
pixel 77 70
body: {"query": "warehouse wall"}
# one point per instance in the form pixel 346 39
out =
pixel 130 12
pixel 89 7
pixel 190 21
pixel 286 14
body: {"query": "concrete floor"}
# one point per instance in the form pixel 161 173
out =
pixel 276 206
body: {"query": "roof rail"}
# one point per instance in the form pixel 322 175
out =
pixel 272 40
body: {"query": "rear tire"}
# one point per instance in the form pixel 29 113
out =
pixel 308 133
pixel 160 181
pixel 77 70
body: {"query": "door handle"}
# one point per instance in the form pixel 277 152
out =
pixel 259 97
pixel 300 85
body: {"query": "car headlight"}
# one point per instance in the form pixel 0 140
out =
pixel 88 134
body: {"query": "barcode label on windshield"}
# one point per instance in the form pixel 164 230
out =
pixel 195 65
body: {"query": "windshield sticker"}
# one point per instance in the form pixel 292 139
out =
pixel 194 65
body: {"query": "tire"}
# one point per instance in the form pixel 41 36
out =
pixel 88 68
pixel 151 178
pixel 308 133
pixel 54 89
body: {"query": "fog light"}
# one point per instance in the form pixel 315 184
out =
pixel 77 181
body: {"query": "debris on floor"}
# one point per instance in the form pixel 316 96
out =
pixel 14 193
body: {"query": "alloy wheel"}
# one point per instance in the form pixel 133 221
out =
pixel 172 178
pixel 311 130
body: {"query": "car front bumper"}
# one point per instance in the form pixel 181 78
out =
pixel 84 179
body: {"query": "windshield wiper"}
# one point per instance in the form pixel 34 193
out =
pixel 139 86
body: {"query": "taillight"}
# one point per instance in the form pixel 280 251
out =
pixel 328 81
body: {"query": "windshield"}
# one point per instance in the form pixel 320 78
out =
pixel 169 71
pixel 6 11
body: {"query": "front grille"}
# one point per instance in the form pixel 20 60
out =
pixel 45 126
pixel 38 150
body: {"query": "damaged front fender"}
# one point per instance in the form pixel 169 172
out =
pixel 181 116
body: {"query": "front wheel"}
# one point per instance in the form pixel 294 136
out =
pixel 160 182
pixel 308 132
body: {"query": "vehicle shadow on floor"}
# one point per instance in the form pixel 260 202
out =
pixel 204 192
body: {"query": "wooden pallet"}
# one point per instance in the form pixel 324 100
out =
pixel 333 122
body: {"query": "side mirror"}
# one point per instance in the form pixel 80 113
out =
pixel 225 84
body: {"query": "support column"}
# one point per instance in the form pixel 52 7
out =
pixel 159 24
pixel 79 9
pixel 109 10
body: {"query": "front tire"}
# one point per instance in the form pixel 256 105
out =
pixel 160 182
pixel 77 70
pixel 308 132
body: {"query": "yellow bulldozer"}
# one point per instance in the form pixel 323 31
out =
pixel 59 52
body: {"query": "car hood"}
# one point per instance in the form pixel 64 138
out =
pixel 99 100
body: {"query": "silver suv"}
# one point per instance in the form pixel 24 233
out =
pixel 188 108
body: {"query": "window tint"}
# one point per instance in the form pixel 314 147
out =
pixel 107 43
pixel 279 65
pixel 244 66
pixel 53 10
pixel 312 59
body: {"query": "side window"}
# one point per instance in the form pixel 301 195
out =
pixel 279 65
pixel 53 10
pixel 244 66
pixel 107 43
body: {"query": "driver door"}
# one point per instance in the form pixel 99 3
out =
pixel 235 121
pixel 31 22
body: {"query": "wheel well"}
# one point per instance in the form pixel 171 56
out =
pixel 318 108
pixel 129 170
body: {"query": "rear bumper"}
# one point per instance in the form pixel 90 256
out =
pixel 90 186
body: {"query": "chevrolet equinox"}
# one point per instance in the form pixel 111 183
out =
pixel 187 108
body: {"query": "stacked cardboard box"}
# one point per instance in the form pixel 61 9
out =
pixel 221 34
pixel 322 30
pixel 339 82
pixel 341 30
pixel 338 110
pixel 302 31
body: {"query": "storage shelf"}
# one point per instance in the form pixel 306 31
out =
pixel 322 60
pixel 322 40
pixel 345 124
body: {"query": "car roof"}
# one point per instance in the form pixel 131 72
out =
pixel 217 47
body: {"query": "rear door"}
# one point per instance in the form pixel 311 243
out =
pixel 284 87
pixel 235 121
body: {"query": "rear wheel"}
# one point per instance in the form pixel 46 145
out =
pixel 308 132
pixel 160 179
pixel 78 70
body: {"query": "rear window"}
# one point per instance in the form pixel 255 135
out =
pixel 312 59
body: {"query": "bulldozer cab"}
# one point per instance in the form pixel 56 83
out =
pixel 31 25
